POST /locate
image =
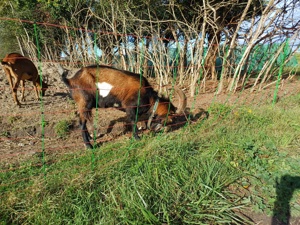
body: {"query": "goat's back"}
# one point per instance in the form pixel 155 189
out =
pixel 20 64
pixel 124 83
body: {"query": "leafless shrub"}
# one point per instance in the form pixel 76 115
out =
pixel 181 49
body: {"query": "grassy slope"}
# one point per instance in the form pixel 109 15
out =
pixel 204 173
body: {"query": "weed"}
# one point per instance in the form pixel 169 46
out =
pixel 5 134
pixel 220 110
pixel 62 128
pixel 13 119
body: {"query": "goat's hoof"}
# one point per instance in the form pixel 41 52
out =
pixel 89 146
pixel 156 127
pixel 167 129
pixel 136 137
pixel 141 125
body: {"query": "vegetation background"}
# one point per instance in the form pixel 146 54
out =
pixel 239 166
pixel 191 42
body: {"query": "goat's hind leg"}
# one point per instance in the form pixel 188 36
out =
pixel 14 86
pixel 85 114
pixel 15 89
pixel 8 72
pixel 85 134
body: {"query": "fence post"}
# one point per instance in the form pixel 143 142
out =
pixel 97 100
pixel 285 54
pixel 43 123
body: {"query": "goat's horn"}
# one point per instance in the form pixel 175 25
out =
pixel 182 99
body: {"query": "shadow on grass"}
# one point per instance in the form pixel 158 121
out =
pixel 285 187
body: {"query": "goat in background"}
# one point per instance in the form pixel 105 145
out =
pixel 21 68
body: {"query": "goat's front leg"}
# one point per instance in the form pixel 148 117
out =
pixel 37 92
pixel 130 111
pixel 22 82
pixel 135 132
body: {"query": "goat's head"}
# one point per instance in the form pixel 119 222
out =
pixel 44 88
pixel 42 84
pixel 165 109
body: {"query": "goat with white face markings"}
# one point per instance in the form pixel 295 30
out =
pixel 117 87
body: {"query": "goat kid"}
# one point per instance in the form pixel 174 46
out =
pixel 20 69
pixel 120 88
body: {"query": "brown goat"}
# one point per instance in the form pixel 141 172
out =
pixel 21 68
pixel 110 87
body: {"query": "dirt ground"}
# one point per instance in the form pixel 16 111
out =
pixel 21 131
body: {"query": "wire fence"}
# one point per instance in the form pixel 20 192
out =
pixel 32 131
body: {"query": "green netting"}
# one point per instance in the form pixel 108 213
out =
pixel 259 56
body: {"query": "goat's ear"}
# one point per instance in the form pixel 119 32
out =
pixel 61 69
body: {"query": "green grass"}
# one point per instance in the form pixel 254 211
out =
pixel 238 159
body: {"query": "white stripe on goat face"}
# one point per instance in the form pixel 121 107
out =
pixel 104 88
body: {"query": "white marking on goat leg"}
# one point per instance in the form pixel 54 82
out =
pixel 104 88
